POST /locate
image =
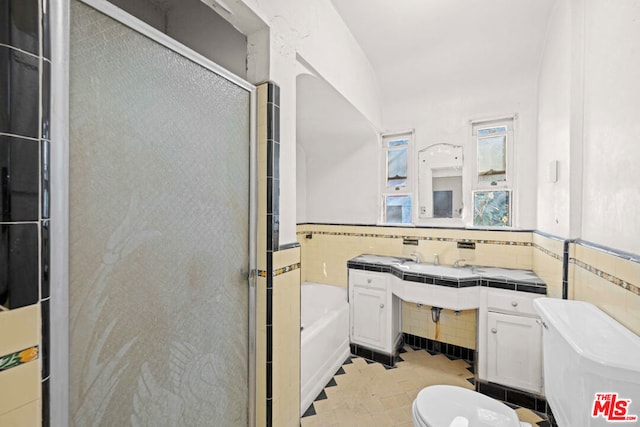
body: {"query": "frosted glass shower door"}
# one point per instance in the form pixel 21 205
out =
pixel 159 233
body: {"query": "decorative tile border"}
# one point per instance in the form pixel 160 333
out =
pixel 280 271
pixel 606 276
pixel 286 269
pixel 425 238
pixel 19 358
pixel 548 252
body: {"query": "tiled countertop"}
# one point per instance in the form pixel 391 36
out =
pixel 462 277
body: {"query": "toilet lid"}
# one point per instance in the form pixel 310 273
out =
pixel 439 405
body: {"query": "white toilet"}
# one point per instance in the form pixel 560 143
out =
pixel 586 354
pixel 451 406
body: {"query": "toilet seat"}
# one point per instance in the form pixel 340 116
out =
pixel 439 405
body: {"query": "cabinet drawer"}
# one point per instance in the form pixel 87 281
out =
pixel 368 279
pixel 511 302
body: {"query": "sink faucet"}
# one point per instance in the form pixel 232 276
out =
pixel 458 263
pixel 415 257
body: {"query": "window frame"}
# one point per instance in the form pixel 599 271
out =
pixel 509 183
pixel 408 188
pixel 509 158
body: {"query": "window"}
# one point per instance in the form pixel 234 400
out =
pixel 397 186
pixel 493 142
pixel 492 195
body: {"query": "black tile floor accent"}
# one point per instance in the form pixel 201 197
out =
pixel 310 411
pixel 359 378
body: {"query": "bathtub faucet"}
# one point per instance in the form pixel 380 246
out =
pixel 415 257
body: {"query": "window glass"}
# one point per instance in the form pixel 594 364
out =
pixel 492 131
pixel 398 209
pixel 492 165
pixel 397 143
pixel 492 208
pixel 397 167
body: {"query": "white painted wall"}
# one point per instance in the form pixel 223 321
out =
pixel 589 99
pixel 301 184
pixel 339 189
pixel 338 167
pixel 313 32
pixel 441 115
pixel 349 175
pixel 554 124
pixel 611 181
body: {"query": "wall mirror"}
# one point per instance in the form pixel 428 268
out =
pixel 440 181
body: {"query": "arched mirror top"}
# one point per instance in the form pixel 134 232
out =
pixel 442 155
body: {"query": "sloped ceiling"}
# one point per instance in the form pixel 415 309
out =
pixel 426 46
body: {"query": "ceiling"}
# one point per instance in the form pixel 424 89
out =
pixel 422 46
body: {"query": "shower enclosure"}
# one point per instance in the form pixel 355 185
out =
pixel 161 229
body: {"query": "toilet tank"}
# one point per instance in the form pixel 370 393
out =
pixel 585 353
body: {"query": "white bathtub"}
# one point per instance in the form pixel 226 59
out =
pixel 324 340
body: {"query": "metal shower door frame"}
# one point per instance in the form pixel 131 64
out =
pixel 59 179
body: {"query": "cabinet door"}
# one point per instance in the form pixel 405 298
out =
pixel 368 310
pixel 514 353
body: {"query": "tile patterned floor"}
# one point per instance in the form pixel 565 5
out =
pixel 364 393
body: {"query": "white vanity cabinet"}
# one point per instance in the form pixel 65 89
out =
pixel 374 312
pixel 510 340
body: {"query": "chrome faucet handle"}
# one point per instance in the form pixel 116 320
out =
pixel 416 257
pixel 457 262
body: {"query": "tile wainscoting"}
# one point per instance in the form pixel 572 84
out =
pixel 572 269
pixel 278 282
pixel 25 65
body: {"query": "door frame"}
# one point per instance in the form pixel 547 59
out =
pixel 59 18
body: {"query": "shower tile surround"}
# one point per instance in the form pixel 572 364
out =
pixel 24 213
pixel 278 282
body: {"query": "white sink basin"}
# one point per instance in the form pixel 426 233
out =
pixel 438 270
